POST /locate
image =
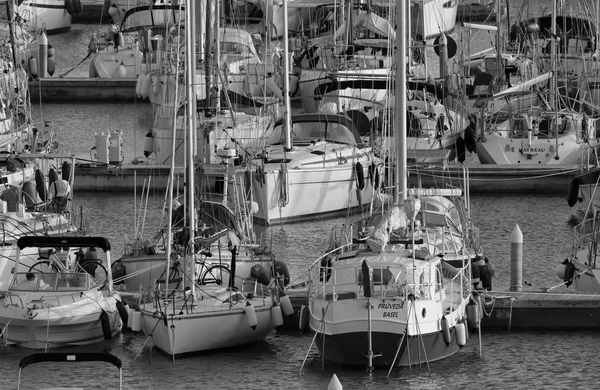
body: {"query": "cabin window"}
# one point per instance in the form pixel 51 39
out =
pixel 306 132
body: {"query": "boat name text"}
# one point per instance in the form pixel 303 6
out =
pixel 390 306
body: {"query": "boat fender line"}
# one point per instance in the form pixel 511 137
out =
pixel 40 185
pixel 261 274
pixel 474 273
pixel 77 7
pixel 484 273
pixel 281 273
pixel 122 312
pixel 560 270
pixel 70 7
pixel 460 150
pixel 286 305
pixel 138 85
pixel 51 61
pixel 66 171
pixel 472 314
pixel 149 144
pixel 446 331
pixel 136 323
pixel 105 322
pixel 251 315
pixel 30 194
pixel 463 320
pixel 277 315
pixel 461 334
pixel 573 193
pixel 374 176
pixel 367 279
pixel 284 196
pixel 303 318
pixel 490 267
pixel 52 176
pixel 33 67
pixel 569 273
pixel 360 175
pixel 470 141
pixel 119 271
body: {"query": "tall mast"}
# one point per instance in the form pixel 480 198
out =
pixel 400 103
pixel 208 55
pixel 190 55
pixel 287 118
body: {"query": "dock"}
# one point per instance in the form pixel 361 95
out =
pixel 499 179
pixel 82 89
pixel 505 310
pixel 484 179
pixel 120 178
pixel 540 310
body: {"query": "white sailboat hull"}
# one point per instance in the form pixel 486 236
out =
pixel 309 192
pixel 430 18
pixel 74 322
pixel 346 324
pixel 502 150
pixel 50 15
pixel 207 328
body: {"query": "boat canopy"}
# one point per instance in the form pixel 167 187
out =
pixel 325 127
pixel 236 41
pixel 58 242
pixel 70 357
pixel 217 215
pixel 371 22
pixel 142 17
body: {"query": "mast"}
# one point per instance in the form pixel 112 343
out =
pixel 190 55
pixel 287 118
pixel 400 103
pixel 210 24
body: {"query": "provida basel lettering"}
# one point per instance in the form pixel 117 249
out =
pixel 388 307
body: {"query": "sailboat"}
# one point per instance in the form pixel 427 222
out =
pixel 52 16
pixel 561 129
pixel 173 316
pixel 314 165
pixel 397 293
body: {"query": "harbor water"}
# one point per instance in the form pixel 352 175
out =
pixel 497 360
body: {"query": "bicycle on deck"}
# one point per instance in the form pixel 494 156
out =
pixel 54 264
